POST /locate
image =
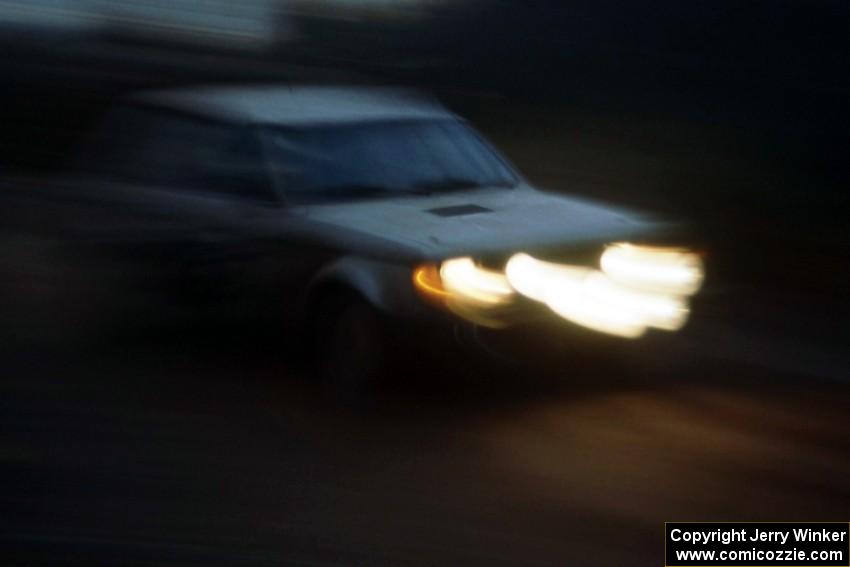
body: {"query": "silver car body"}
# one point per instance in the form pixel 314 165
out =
pixel 369 246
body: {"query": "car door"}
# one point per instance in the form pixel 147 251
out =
pixel 240 250
pixel 181 201
pixel 240 240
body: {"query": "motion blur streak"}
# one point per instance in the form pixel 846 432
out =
pixel 590 298
pixel 662 311
pixel 671 270
pixel 577 303
pixel 462 277
pixel 426 279
pixel 540 280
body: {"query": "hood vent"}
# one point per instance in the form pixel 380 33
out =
pixel 458 210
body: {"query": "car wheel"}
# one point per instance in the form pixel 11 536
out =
pixel 350 345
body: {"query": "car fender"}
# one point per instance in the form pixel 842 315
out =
pixel 387 286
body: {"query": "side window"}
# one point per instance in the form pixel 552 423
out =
pixel 166 149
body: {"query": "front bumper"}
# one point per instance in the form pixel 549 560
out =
pixel 534 335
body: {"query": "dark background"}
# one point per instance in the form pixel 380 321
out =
pixel 204 448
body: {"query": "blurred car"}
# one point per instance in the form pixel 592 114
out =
pixel 358 217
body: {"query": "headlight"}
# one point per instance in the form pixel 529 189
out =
pixel 468 290
pixel 670 270
pixel 637 288
pixel 461 280
pixel 464 279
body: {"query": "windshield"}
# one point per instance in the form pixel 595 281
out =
pixel 321 163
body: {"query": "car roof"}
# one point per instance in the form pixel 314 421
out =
pixel 296 105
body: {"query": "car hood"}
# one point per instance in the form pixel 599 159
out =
pixel 483 221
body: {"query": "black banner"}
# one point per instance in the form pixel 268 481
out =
pixel 765 544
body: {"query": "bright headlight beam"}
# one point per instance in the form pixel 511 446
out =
pixel 540 280
pixel 669 270
pixel 662 311
pixel 592 299
pixel 463 278
pixel 572 293
pixel 598 315
pixel 637 288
